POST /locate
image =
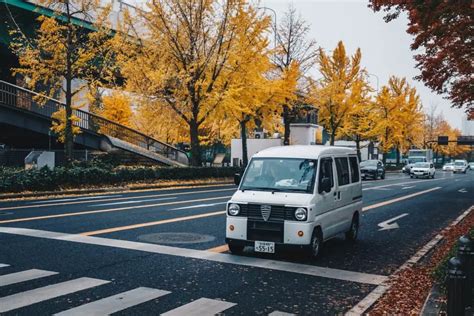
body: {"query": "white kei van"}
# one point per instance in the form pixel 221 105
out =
pixel 296 196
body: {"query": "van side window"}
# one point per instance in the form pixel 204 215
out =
pixel 354 169
pixel 342 171
pixel 325 170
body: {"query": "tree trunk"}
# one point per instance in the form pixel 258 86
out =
pixel 243 136
pixel 384 158
pixel 68 134
pixel 398 156
pixel 286 123
pixel 195 146
pixel 357 141
pixel 333 138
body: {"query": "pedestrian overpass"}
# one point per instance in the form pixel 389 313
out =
pixel 27 110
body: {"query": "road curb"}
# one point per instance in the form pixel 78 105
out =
pixel 431 307
pixel 9 196
pixel 367 302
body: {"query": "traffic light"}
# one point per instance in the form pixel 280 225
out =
pixel 465 140
pixel 443 140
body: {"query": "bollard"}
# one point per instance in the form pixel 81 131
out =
pixel 455 281
pixel 466 255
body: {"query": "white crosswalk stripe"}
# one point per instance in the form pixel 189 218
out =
pixel 23 276
pixel 278 313
pixel 31 297
pixel 115 303
pixel 200 307
pixel 2 265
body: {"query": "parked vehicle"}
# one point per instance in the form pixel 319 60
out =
pixel 460 166
pixel 423 170
pixel 448 166
pixel 297 196
pixel 372 169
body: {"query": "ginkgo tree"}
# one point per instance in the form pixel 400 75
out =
pixel 342 85
pixel 69 45
pixel 182 56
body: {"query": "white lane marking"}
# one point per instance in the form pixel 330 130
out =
pixel 118 199
pixel 405 197
pixel 200 307
pixel 386 225
pixel 373 296
pixel 77 199
pixel 278 313
pixel 197 206
pixel 3 265
pixel 27 298
pixel 382 189
pixel 115 303
pixel 132 202
pixel 410 187
pixel 23 276
pixel 99 211
pixel 298 268
pixel 463 190
pixel 401 184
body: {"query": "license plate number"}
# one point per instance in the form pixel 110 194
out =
pixel 264 246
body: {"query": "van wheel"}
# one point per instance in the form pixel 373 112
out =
pixel 383 176
pixel 316 244
pixel 353 232
pixel 236 249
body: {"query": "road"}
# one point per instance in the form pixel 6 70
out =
pixel 162 251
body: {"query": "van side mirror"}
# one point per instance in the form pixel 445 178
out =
pixel 237 178
pixel 324 185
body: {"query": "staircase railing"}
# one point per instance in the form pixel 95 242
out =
pixel 24 99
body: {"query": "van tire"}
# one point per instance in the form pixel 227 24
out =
pixel 383 176
pixel 316 244
pixel 236 249
pixel 353 232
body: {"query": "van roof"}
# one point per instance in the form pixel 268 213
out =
pixel 300 151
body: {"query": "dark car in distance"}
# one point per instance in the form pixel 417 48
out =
pixel 372 169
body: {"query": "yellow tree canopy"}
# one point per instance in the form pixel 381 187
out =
pixel 340 87
pixel 117 108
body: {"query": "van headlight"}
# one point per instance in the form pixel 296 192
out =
pixel 234 209
pixel 301 214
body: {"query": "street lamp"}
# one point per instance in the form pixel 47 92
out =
pixel 275 25
pixel 376 77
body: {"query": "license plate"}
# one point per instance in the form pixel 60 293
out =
pixel 264 246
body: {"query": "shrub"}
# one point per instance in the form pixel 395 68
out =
pixel 86 174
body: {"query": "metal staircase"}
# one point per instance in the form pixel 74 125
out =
pixel 118 136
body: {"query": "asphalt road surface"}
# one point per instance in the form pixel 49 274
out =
pixel 162 252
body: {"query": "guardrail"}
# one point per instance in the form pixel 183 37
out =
pixel 27 100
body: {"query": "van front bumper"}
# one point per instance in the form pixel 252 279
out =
pixel 248 230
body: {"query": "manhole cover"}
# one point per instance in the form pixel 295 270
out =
pixel 176 238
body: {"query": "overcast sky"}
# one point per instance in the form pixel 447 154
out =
pixel 385 46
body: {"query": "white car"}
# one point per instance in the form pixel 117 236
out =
pixel 471 166
pixel 423 170
pixel 448 166
pixel 296 196
pixel 460 166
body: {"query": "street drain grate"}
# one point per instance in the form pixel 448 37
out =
pixel 176 238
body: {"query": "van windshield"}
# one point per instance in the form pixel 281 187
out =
pixel 280 174
pixel 416 159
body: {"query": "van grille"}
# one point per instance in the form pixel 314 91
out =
pixel 279 213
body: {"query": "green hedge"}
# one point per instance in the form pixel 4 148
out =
pixel 18 180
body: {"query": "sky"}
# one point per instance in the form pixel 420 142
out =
pixel 385 46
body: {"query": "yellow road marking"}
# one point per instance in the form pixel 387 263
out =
pixel 165 221
pixel 111 199
pixel 220 249
pixel 370 207
pixel 16 220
